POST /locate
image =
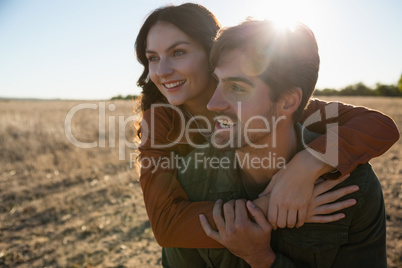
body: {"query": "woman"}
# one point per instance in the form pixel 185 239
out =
pixel 173 45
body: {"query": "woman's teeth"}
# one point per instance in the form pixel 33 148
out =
pixel 175 84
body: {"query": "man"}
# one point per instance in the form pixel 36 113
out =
pixel 265 79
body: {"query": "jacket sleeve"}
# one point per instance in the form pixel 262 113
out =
pixel 174 219
pixel 352 135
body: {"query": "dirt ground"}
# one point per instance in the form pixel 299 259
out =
pixel 65 206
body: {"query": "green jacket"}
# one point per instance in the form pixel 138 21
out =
pixel 358 240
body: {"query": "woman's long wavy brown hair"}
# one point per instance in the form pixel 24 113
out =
pixel 194 20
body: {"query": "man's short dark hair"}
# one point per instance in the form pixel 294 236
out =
pixel 285 58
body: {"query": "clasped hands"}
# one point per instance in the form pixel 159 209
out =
pixel 244 230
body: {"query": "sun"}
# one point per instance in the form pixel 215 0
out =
pixel 284 13
pixel 284 24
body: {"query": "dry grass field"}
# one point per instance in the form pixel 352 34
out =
pixel 65 206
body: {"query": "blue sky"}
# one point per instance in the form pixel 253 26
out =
pixel 84 49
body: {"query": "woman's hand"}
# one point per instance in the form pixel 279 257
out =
pixel 291 190
pixel 321 206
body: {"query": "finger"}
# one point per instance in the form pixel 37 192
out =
pixel 269 187
pixel 292 217
pixel 241 217
pixel 208 229
pixel 327 218
pixel 272 214
pixel 282 218
pixel 229 214
pixel 331 208
pixel 217 215
pixel 301 217
pixel 334 195
pixel 259 216
pixel 327 185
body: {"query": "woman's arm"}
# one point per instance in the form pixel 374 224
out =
pixel 174 219
pixel 359 134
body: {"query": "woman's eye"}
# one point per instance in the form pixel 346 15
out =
pixel 152 58
pixel 178 52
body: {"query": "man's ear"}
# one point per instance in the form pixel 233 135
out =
pixel 290 101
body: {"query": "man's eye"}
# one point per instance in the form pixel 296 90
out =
pixel 237 88
pixel 178 52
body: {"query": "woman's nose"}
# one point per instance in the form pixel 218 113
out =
pixel 164 69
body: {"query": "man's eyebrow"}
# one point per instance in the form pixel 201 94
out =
pixel 238 79
pixel 170 47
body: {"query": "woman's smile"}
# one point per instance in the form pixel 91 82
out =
pixel 173 85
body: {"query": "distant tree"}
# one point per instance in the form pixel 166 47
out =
pixel 326 92
pixel 388 90
pixel 118 97
pixel 358 89
pixel 128 97
pixel 361 89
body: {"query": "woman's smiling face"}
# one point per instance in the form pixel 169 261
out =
pixel 178 65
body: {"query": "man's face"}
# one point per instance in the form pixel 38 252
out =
pixel 244 112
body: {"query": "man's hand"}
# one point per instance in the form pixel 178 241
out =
pixel 243 237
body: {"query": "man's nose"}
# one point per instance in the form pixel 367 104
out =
pixel 218 102
pixel 164 68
